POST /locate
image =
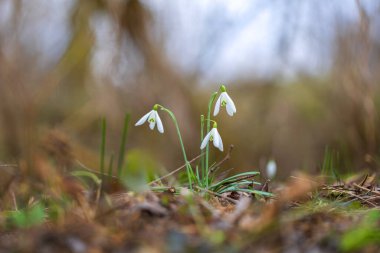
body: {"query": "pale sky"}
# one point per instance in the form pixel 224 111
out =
pixel 214 38
pixel 247 33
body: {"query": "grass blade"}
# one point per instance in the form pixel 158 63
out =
pixel 103 145
pixel 203 158
pixel 235 177
pixel 110 166
pixel 262 193
pixel 234 185
pixel 122 144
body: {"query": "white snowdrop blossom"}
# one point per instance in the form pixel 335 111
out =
pixel 224 100
pixel 152 117
pixel 213 136
pixel 271 169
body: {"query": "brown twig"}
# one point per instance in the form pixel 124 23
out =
pixel 364 180
pixel 367 190
pixel 8 165
pixel 175 171
pixel 362 199
pixel 349 192
pixel 217 194
pixel 14 200
pixel 92 170
pixel 374 198
pixel 226 158
pixel 339 188
pixel 224 174
pixel 9 168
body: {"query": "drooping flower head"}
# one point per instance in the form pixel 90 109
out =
pixel 152 117
pixel 224 100
pixel 213 136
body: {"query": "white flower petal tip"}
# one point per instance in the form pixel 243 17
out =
pixel 160 127
pixel 225 100
pixel 143 119
pixel 213 136
pixel 152 118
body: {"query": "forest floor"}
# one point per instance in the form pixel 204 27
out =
pixel 305 215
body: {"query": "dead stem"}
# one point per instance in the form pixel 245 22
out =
pixel 349 192
pixel 14 200
pixel 226 158
pixel 8 165
pixel 217 194
pixel 92 170
pixel 367 190
pixel 362 199
pixel 175 171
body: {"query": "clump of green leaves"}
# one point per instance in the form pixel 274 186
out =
pixel 27 217
pixel 138 171
pixel 365 234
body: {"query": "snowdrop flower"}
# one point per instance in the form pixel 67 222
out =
pixel 224 100
pixel 213 136
pixel 271 169
pixel 152 117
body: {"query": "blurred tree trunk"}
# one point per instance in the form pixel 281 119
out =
pixel 160 78
pixel 356 84
pixel 66 91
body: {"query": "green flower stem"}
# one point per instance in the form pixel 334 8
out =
pixel 188 167
pixel 103 146
pixel 202 136
pixel 212 98
pixel 215 124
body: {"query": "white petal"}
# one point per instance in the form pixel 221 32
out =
pixel 230 106
pixel 205 140
pixel 160 127
pixel 220 143
pixel 217 106
pixel 230 101
pixel 229 109
pixel 216 138
pixel 223 97
pixel 152 115
pixel 143 119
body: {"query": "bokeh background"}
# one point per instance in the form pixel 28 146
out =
pixel 304 75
